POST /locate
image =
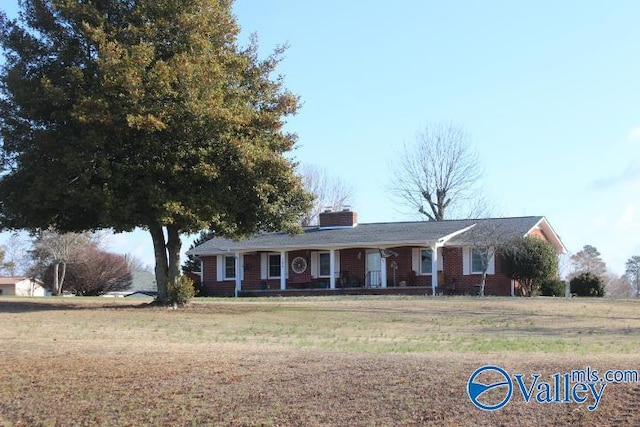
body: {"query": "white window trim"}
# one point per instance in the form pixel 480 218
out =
pixel 224 267
pixel 428 273
pixel 324 276
pixel 417 261
pixel 490 263
pixel 269 255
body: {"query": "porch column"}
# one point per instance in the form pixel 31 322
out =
pixel 283 270
pixel 434 268
pixel 513 288
pixel 332 269
pixel 238 277
pixel 383 272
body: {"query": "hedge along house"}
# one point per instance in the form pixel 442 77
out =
pixel 341 256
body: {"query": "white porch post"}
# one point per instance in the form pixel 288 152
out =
pixel 434 268
pixel 238 276
pixel 332 269
pixel 283 270
pixel 513 288
pixel 383 272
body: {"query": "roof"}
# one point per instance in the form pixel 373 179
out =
pixel 376 235
pixel 14 280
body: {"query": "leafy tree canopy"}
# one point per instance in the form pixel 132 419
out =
pixel 587 285
pixel 144 114
pixel 529 260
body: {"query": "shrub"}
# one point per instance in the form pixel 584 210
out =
pixel 587 285
pixel 530 261
pixel 181 291
pixel 552 288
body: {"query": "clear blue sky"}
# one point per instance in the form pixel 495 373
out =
pixel 548 90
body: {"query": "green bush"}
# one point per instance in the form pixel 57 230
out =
pixel 587 285
pixel 181 291
pixel 552 288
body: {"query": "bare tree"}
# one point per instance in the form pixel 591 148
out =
pixel 17 259
pixel 617 286
pixel 95 272
pixel 588 260
pixel 632 273
pixel 486 238
pixel 329 192
pixel 53 248
pixel 438 174
pixel 137 264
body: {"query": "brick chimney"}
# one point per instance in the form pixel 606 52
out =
pixel 343 218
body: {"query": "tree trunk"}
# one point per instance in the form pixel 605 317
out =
pixel 161 270
pixel 483 282
pixel 56 267
pixel 173 249
pixel 62 276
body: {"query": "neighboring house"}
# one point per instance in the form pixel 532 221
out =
pixel 22 286
pixel 341 256
pixel 143 285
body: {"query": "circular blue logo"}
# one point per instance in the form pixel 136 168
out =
pixel 488 378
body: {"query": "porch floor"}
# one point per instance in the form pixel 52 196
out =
pixel 409 290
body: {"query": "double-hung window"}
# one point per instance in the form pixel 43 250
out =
pixel 274 266
pixel 324 264
pixel 479 260
pixel 229 267
pixel 426 257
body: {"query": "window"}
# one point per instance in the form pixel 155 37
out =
pixel 426 257
pixel 478 260
pixel 229 267
pixel 274 266
pixel 324 261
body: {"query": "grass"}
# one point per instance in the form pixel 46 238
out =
pixel 304 361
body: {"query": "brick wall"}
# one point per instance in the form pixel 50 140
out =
pixel 338 219
pixel 352 261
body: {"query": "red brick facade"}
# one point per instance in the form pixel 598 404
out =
pixel 352 273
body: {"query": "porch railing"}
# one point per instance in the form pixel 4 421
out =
pixel 373 279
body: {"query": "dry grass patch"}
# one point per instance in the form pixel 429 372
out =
pixel 309 361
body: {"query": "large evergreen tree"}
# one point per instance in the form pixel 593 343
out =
pixel 143 113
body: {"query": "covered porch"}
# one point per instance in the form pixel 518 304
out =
pixel 328 270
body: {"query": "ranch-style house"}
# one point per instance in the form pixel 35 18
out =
pixel 340 256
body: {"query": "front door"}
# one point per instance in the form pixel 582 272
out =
pixel 372 277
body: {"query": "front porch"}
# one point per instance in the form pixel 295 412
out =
pixel 404 290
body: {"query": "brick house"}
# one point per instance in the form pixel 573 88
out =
pixel 341 256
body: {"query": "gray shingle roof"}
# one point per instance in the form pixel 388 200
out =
pixel 495 229
pixel 369 235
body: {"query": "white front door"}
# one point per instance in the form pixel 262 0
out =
pixel 372 265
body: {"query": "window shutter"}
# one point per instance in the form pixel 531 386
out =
pixel 415 260
pixel 314 265
pixel 440 260
pixel 466 260
pixel 491 267
pixel 337 261
pixel 264 265
pixel 220 268
pixel 241 262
